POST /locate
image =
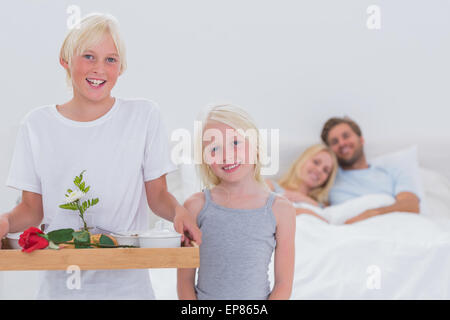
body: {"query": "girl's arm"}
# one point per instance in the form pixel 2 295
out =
pixel 186 277
pixel 27 213
pixel 164 204
pixel 285 249
pixel 186 284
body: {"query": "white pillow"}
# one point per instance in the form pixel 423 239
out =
pixel 406 160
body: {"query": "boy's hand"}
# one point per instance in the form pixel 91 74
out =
pixel 185 224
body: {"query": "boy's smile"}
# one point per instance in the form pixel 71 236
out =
pixel 95 83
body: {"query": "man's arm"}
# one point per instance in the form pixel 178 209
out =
pixel 405 202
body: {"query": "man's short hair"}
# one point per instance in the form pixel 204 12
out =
pixel 332 122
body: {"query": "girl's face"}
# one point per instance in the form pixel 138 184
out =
pixel 316 170
pixel 94 73
pixel 228 153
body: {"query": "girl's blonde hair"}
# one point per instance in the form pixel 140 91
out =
pixel 292 181
pixel 90 31
pixel 238 119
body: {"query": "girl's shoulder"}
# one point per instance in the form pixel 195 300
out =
pixel 283 209
pixel 195 203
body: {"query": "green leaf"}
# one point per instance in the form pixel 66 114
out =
pixel 60 235
pixel 69 191
pixel 69 206
pixel 94 201
pixel 87 189
pixel 106 240
pixel 81 236
pixel 82 187
pixel 85 206
pixel 81 245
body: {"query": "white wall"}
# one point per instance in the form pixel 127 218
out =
pixel 292 64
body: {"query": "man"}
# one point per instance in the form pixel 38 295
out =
pixel 356 177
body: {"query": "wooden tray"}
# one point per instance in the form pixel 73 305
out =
pixel 90 259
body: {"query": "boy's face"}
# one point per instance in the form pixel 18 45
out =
pixel 94 73
pixel 346 144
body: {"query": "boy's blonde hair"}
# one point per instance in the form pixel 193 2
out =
pixel 291 180
pixel 238 119
pixel 90 31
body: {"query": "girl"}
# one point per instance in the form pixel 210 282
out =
pixel 121 144
pixel 241 221
pixel 309 179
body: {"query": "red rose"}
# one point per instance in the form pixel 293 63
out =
pixel 30 240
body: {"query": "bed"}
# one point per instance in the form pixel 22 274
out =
pixel 394 256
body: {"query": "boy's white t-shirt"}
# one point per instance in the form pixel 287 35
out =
pixel 120 151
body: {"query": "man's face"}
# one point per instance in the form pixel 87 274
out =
pixel 346 144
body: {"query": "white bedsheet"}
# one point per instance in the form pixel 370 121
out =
pixel 393 256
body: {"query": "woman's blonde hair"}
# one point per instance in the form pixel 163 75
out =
pixel 90 31
pixel 292 181
pixel 237 118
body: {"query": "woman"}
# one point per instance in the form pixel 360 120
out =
pixel 309 179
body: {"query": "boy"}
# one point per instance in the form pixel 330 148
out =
pixel 121 144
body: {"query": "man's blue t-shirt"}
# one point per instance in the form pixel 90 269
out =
pixel 350 184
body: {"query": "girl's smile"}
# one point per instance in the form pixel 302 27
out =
pixel 231 168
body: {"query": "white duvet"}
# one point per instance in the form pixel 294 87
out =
pixel 339 214
pixel 393 256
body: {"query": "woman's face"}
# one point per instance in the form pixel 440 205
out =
pixel 94 73
pixel 316 170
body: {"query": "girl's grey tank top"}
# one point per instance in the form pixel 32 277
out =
pixel 237 246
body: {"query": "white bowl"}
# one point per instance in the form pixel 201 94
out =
pixel 164 239
pixel 127 238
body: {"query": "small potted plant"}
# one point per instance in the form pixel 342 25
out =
pixel 33 238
